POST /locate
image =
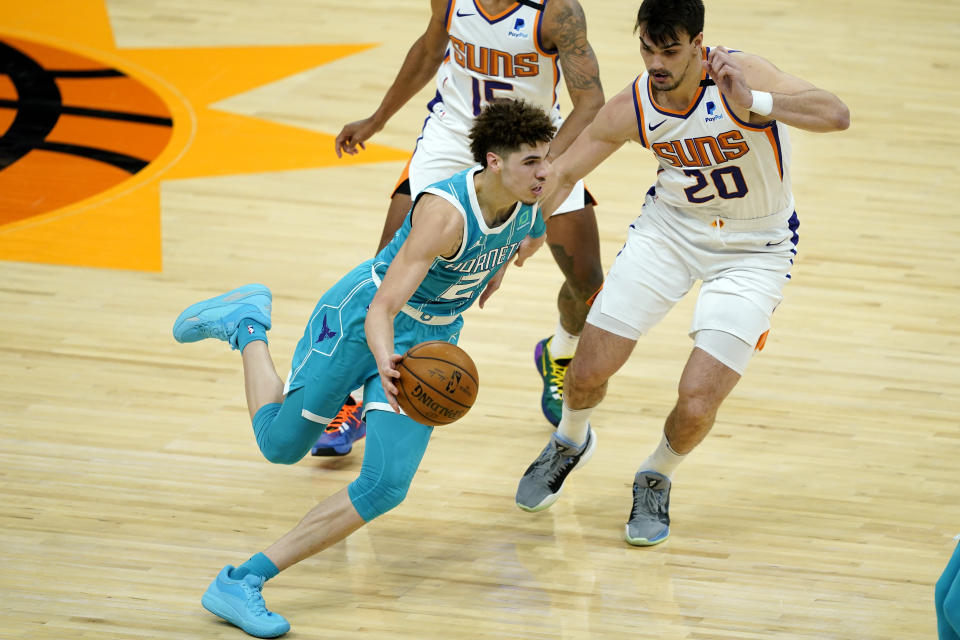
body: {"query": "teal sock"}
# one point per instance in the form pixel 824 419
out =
pixel 258 565
pixel 249 331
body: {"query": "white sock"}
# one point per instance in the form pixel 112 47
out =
pixel 563 344
pixel 574 424
pixel 664 460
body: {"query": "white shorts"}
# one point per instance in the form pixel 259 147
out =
pixel 743 270
pixel 442 152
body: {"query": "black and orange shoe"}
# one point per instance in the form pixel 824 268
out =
pixel 346 428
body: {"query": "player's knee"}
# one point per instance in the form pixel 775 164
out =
pixel 940 591
pixel 278 445
pixel 279 450
pixel 374 496
pixel 950 603
pixel 280 455
pixel 583 376
pixel 395 446
pixel 583 279
pixel 588 279
pixel 391 495
pixel 695 405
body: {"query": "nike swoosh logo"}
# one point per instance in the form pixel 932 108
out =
pixel 773 244
pixel 464 15
pixel 656 125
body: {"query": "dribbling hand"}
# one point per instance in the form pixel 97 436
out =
pixel 388 374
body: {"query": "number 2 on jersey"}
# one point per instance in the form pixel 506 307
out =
pixel 489 86
pixel 466 287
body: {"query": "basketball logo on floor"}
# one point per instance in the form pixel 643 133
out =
pixel 89 132
pixel 70 128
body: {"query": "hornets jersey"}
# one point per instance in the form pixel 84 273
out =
pixel 452 284
pixel 712 163
pixel 490 57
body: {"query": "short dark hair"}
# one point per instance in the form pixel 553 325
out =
pixel 505 125
pixel 663 20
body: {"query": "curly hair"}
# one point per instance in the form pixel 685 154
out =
pixel 664 20
pixel 505 125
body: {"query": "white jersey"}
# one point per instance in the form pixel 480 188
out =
pixel 492 57
pixel 712 164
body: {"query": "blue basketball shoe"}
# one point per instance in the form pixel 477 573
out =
pixel 240 603
pixel 220 316
pixel 551 372
pixel 346 428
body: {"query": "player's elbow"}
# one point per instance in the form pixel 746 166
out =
pixel 377 315
pixel 839 118
pixel 589 102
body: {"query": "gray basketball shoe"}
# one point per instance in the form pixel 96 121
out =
pixel 542 481
pixel 649 522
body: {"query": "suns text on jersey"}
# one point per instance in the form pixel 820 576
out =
pixel 493 62
pixel 703 151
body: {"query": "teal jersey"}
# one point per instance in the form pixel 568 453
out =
pixel 452 284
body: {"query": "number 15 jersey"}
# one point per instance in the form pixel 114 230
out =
pixel 713 164
pixel 494 56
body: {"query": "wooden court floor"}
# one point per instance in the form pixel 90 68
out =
pixel 823 505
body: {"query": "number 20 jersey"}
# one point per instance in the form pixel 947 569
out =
pixel 712 164
pixel 494 56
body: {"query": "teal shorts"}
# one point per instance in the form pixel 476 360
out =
pixel 332 358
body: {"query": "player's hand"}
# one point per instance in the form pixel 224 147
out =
pixel 728 75
pixel 388 376
pixel 493 285
pixel 528 247
pixel 353 135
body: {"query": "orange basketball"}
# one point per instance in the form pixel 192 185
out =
pixel 438 383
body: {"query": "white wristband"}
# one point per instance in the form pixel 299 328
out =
pixel 762 103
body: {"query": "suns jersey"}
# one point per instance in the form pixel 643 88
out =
pixel 494 56
pixel 452 284
pixel 712 163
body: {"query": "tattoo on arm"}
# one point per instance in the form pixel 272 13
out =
pixel 576 55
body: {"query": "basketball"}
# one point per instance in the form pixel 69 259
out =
pixel 438 383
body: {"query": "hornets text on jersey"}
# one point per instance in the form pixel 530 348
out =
pixel 452 284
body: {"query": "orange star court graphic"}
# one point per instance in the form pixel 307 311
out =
pixel 88 132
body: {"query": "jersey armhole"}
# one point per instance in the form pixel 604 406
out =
pixel 449 197
pixel 638 108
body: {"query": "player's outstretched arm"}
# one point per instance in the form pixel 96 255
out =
pixel 615 124
pixel 437 231
pixel 421 64
pixel 565 29
pixel 795 101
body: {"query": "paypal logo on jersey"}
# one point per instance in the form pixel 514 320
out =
pixel 517 31
pixel 712 113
